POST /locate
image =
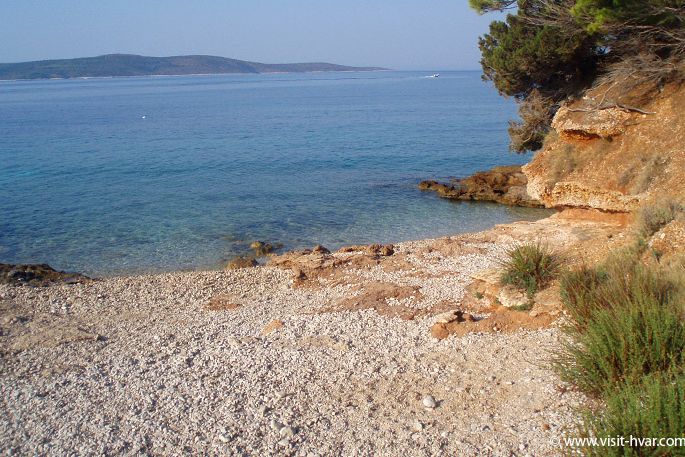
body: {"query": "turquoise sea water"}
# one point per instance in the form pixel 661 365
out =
pixel 125 175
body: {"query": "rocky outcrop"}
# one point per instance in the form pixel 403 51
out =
pixel 506 185
pixel 37 275
pixel 613 151
pixel 382 250
pixel 610 150
pixel 308 264
pixel 585 124
pixel 574 194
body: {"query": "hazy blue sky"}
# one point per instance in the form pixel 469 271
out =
pixel 401 34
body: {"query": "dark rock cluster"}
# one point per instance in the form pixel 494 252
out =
pixel 506 185
pixel 37 275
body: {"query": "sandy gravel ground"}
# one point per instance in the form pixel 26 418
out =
pixel 140 365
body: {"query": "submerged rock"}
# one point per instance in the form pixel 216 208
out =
pixel 262 248
pixel 37 275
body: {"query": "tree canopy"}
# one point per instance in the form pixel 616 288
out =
pixel 643 12
pixel 547 50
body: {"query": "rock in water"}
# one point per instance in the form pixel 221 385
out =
pixel 262 248
pixel 506 184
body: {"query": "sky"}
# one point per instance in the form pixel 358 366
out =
pixel 397 34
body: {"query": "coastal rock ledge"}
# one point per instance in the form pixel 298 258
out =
pixel 506 185
pixel 613 150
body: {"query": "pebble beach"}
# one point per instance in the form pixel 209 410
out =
pixel 253 362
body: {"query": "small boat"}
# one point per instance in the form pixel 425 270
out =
pixel 435 75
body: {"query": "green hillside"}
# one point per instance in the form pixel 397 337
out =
pixel 134 65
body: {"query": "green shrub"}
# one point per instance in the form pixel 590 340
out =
pixel 530 267
pixel 626 343
pixel 625 323
pixel 652 218
pixel 580 292
pixel 622 345
pixel 653 408
pixel 618 282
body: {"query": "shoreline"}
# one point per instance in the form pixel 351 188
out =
pixel 277 340
pixel 528 213
pixel 208 267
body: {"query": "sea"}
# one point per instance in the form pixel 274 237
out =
pixel 152 174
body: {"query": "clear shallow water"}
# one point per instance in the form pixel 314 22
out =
pixel 89 184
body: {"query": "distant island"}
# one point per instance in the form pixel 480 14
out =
pixel 134 65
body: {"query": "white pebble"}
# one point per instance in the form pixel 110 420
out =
pixel 429 402
pixel 276 425
pixel 287 431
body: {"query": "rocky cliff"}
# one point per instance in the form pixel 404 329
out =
pixel 612 150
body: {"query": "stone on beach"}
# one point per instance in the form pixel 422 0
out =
pixel 36 275
pixel 429 402
pixel 275 425
pixel 272 327
pixel 241 262
pixel 286 432
pixel 320 249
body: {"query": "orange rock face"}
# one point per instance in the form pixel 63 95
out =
pixel 613 151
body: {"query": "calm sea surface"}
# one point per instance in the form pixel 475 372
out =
pixel 126 175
